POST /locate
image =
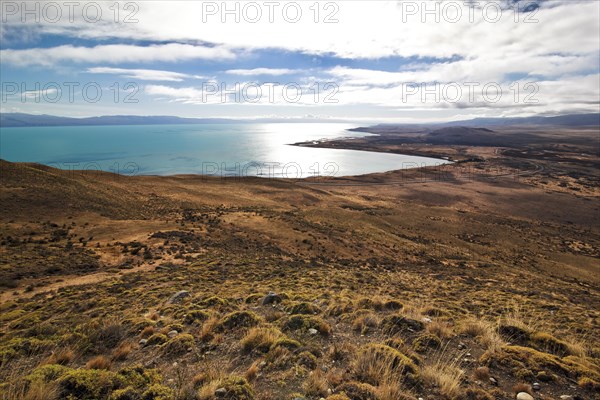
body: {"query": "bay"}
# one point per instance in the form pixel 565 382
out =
pixel 231 149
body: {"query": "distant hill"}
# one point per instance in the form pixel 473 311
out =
pixel 9 120
pixel 561 120
pixel 14 120
pixel 23 120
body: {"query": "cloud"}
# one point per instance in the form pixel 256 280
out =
pixel 113 54
pixel 261 71
pixel 145 74
pixel 361 31
pixel 245 93
pixel 558 47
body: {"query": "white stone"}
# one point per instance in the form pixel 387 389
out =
pixel 524 396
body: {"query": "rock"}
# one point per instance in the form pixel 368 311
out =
pixel 524 396
pixel 493 381
pixel 462 346
pixel 221 392
pixel 427 320
pixel 536 386
pixel 566 397
pixel 177 297
pixel 271 298
pixel 543 376
pixel 143 342
pixel 312 331
pixel 172 333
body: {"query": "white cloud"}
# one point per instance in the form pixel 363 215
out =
pixel 261 71
pixel 561 49
pixel 363 30
pixel 113 54
pixel 144 74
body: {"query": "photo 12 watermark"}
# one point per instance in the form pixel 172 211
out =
pixel 268 170
pixel 253 12
pixel 470 92
pixel 87 168
pixel 69 92
pixel 472 11
pixel 54 12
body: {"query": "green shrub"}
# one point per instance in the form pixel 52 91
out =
pixel 88 384
pixel 513 333
pixel 138 377
pixel 308 359
pixel 238 319
pixel 26 321
pixel 306 322
pixel 158 392
pixel 393 324
pixel 213 301
pixel 128 393
pixel 286 342
pixel 549 343
pixel 358 391
pixel 47 373
pixel 303 308
pixel 194 316
pixel 426 342
pixel 237 388
pixel 178 345
pixel 157 338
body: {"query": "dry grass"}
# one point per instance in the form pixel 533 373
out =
pixel 207 331
pixel 578 348
pixel 353 280
pixel 121 352
pixel 260 339
pixel 484 332
pixel 443 376
pixel 316 384
pixel 38 391
pixel 517 317
pixel 379 363
pixel 147 332
pixel 393 390
pixel 253 371
pixel 62 357
pixel 414 309
pixel 441 329
pixel 522 387
pixel 366 323
pixel 153 315
pixel 482 374
pixel 207 391
pixel 99 362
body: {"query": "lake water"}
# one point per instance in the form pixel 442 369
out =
pixel 233 149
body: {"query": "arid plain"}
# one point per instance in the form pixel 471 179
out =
pixel 476 280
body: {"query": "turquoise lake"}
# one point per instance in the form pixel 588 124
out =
pixel 233 149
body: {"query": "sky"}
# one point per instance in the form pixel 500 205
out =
pixel 376 61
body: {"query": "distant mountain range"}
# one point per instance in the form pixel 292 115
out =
pixel 13 120
pixel 29 120
pixel 561 120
